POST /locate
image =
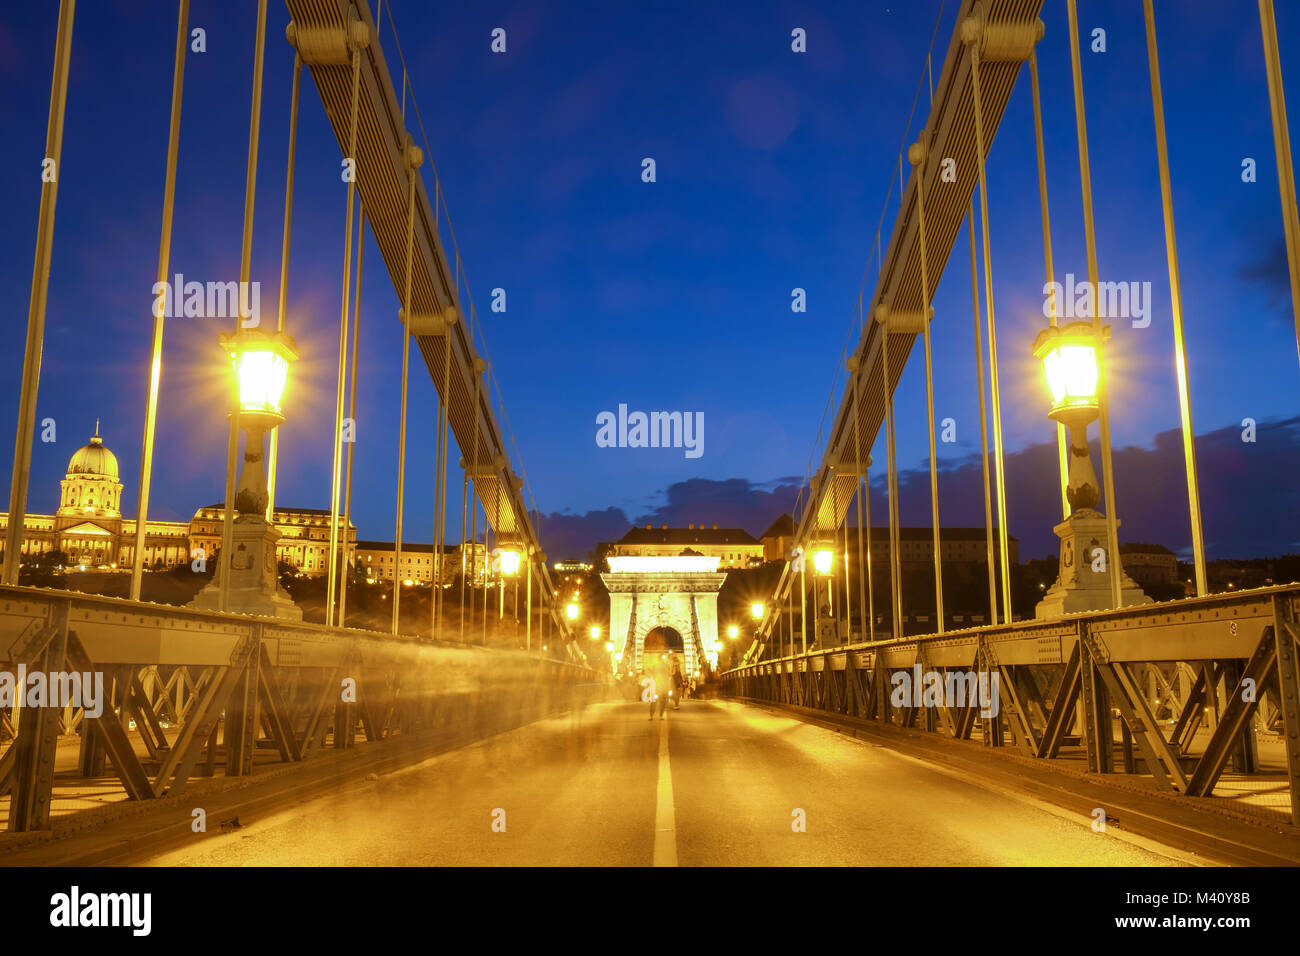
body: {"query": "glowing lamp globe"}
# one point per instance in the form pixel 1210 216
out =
pixel 1069 357
pixel 595 632
pixel 733 632
pixel 261 363
pixel 508 562
pixel 571 612
pixel 609 647
pixel 823 559
pixel 756 609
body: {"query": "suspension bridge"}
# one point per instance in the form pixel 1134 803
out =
pixel 1176 721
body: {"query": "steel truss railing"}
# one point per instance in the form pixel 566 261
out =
pixel 1060 682
pixel 206 691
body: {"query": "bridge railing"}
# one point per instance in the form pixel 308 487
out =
pixel 1191 686
pixel 162 695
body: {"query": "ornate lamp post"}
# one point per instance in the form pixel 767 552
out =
pixel 1069 357
pixel 260 361
pixel 823 557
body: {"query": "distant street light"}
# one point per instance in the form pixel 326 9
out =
pixel 571 611
pixel 733 632
pixel 595 632
pixel 609 647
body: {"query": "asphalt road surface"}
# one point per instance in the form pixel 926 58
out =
pixel 717 783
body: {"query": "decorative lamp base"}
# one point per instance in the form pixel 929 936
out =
pixel 254 574
pixel 1078 586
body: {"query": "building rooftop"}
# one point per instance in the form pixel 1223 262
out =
pixel 691 534
pixel 1137 547
pixel 781 527
pixel 926 533
pixel 407 547
pixel 282 510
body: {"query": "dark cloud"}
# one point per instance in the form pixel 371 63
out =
pixel 1246 510
pixel 1271 271
pixel 565 535
pixel 732 503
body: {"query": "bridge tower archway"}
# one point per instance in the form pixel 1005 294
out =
pixel 665 604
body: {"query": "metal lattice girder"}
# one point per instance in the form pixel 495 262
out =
pixel 109 729
pixel 1287 637
pixel 1138 721
pixel 33 750
pixel 1247 640
pixel 1235 719
pixel 1059 717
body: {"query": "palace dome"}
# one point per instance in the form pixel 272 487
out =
pixel 94 459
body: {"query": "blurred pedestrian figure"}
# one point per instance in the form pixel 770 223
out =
pixel 657 682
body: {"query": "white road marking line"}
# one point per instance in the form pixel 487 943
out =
pixel 665 821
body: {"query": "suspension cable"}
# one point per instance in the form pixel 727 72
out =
pixel 1061 443
pixel 972 39
pixel 1090 237
pixel 1176 309
pixel 164 253
pixel 352 415
pixel 984 432
pixel 337 462
pixel 918 153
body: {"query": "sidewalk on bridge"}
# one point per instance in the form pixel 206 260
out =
pixel 1209 827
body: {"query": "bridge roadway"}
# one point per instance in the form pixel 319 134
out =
pixel 716 783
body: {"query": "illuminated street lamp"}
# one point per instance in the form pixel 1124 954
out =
pixel 571 611
pixel 823 560
pixel 609 647
pixel 1071 363
pixel 733 632
pixel 508 562
pixel 1069 357
pixel 756 609
pixel 260 362
pixel 595 632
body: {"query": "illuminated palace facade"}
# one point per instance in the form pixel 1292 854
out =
pixel 89 527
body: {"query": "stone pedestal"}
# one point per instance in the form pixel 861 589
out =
pixel 1078 587
pixel 254 574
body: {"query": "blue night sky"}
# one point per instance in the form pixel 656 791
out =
pixel 772 169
